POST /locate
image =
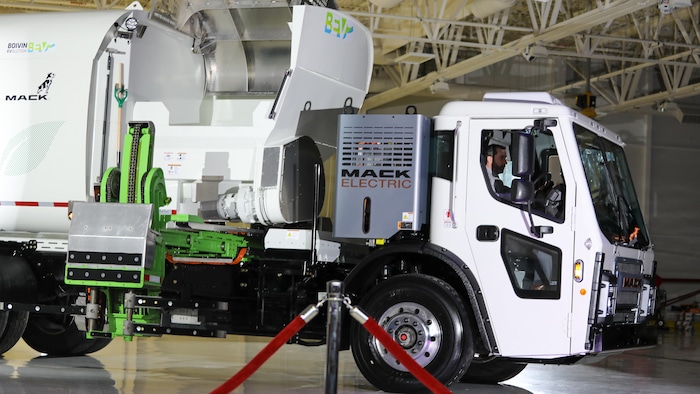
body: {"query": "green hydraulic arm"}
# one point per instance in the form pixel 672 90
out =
pixel 113 283
pixel 137 181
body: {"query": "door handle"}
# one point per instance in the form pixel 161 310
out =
pixel 487 232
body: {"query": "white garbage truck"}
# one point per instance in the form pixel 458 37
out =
pixel 203 169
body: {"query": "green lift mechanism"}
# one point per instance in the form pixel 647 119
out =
pixel 134 306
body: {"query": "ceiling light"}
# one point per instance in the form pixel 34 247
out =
pixel 439 86
pixel 667 6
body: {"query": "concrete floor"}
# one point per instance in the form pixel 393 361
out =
pixel 190 365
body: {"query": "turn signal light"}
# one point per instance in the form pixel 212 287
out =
pixel 578 270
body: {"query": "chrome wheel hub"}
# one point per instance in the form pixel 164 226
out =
pixel 415 329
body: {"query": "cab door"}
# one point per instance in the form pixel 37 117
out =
pixel 526 280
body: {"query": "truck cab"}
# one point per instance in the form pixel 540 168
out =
pixel 575 258
pixel 553 265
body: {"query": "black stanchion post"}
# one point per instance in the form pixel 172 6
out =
pixel 334 290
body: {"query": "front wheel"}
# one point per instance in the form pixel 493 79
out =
pixel 426 316
pixel 59 336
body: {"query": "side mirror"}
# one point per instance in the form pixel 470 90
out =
pixel 522 191
pixel 523 154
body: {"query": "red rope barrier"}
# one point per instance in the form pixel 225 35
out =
pixel 277 342
pixel 397 351
pixel 367 322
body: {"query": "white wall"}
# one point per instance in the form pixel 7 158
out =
pixel 675 204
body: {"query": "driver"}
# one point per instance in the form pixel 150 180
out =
pixel 496 160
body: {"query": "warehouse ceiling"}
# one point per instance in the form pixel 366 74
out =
pixel 631 54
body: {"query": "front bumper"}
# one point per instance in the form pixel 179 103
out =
pixel 623 337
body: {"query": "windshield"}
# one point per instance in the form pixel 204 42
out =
pixel 610 183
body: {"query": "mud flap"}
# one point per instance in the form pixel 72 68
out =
pixel 17 281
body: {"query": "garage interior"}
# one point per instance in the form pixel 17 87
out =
pixel 638 59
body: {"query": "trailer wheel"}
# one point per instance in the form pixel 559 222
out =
pixel 59 336
pixel 427 318
pixel 12 324
pixel 492 372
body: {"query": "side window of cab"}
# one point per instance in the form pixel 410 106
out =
pixel 495 156
pixel 548 180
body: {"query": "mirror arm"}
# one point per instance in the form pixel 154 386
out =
pixel 537 231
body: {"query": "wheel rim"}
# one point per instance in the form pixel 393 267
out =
pixel 415 328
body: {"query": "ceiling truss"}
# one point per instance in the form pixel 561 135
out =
pixel 621 51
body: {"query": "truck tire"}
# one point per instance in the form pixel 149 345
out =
pixel 59 336
pixel 12 328
pixel 492 372
pixel 427 318
pixel 3 321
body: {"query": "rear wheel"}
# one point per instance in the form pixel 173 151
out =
pixel 427 318
pixel 12 325
pixel 3 321
pixel 59 336
pixel 492 372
